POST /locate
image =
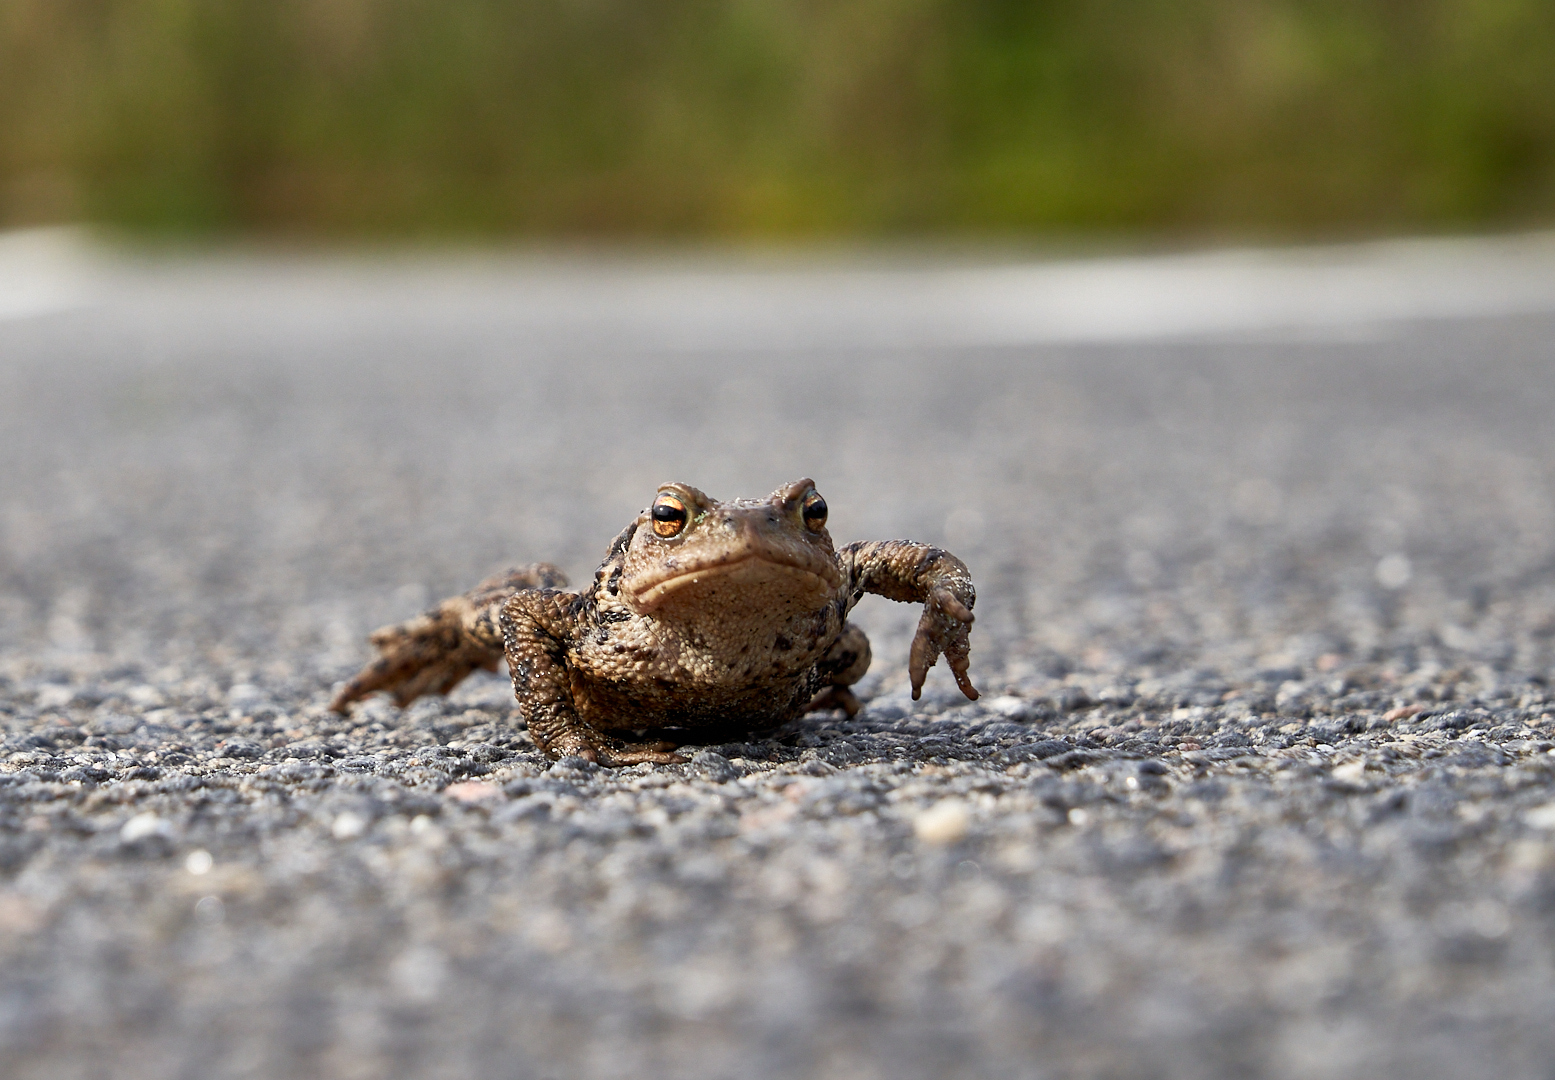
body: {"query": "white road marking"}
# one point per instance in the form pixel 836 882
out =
pixel 43 271
pixel 714 303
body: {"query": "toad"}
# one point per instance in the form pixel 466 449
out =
pixel 707 619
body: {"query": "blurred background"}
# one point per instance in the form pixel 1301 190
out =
pixel 767 119
pixel 413 290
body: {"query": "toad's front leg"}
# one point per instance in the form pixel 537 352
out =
pixel 917 573
pixel 536 626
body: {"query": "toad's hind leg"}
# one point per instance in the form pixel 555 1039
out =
pixel 843 665
pixel 432 653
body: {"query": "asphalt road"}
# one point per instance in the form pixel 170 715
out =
pixel 1261 784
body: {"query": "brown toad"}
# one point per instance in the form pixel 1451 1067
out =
pixel 706 619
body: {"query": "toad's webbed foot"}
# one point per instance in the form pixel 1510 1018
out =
pixel 427 655
pixel 586 743
pixel 835 697
pixel 916 573
pixel 435 651
pixel 944 628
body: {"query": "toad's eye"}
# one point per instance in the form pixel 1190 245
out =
pixel 814 512
pixel 669 515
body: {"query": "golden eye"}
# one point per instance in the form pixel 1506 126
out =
pixel 814 511
pixel 669 515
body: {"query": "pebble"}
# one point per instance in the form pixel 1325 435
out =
pixel 1352 772
pixel 348 826
pixel 943 823
pixel 142 827
pixel 1541 817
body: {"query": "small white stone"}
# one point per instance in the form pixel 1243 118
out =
pixel 145 696
pixel 1352 772
pixel 199 862
pixel 244 694
pixel 1007 706
pixel 54 696
pixel 142 826
pixel 1078 816
pixel 1541 817
pixel 943 823
pixel 1489 919
pixel 348 826
pixel 419 973
pixel 427 832
pixel 1394 571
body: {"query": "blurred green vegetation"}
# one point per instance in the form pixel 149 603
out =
pixel 777 117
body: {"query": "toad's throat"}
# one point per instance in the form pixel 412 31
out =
pixel 805 578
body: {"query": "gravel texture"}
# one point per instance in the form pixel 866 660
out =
pixel 1262 782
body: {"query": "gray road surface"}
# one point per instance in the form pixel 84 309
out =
pixel 1262 783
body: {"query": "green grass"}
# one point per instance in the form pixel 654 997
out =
pixel 767 118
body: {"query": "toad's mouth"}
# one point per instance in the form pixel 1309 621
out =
pixel 808 578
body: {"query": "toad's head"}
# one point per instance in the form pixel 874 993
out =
pixel 692 553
